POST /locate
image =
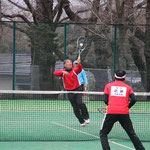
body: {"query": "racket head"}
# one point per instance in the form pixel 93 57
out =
pixel 102 110
pixel 81 44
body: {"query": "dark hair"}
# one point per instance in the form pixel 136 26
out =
pixel 67 60
pixel 120 75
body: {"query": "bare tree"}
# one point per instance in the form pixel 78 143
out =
pixel 0 9
pixel 1 29
pixel 42 51
pixel 43 11
pixel 122 12
pixel 147 44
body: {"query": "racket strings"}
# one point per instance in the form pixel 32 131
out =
pixel 81 45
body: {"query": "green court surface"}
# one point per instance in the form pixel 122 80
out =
pixel 51 125
pixel 90 145
pixel 36 120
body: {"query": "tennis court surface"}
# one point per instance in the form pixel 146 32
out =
pixel 44 120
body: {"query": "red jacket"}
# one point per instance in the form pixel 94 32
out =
pixel 118 100
pixel 71 82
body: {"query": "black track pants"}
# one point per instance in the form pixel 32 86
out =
pixel 126 123
pixel 79 108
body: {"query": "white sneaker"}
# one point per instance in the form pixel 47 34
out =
pixel 82 124
pixel 87 121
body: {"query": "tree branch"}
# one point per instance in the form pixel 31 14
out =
pixel 95 9
pixel 80 11
pixel 29 6
pixel 48 8
pixel 120 11
pixel 55 10
pixel 17 28
pixel 31 9
pixel 140 5
pixel 58 15
pixel 72 16
pixel 15 4
pixel 17 16
pixel 59 10
pixel 140 34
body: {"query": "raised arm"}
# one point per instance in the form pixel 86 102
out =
pixel 79 67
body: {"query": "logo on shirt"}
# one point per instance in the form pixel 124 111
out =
pixel 118 91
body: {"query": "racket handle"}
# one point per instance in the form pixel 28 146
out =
pixel 79 57
pixel 85 88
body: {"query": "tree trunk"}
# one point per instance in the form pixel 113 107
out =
pixel 138 60
pixel 43 56
pixel 0 10
pixel 43 45
pixel 124 10
pixel 147 54
pixel 0 20
pixel 147 44
pixel 120 49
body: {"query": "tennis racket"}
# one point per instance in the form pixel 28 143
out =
pixel 81 45
pixel 102 110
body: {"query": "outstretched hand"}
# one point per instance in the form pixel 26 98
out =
pixel 85 87
pixel 66 73
pixel 79 61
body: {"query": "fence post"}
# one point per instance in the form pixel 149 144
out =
pixel 14 56
pixel 65 49
pixel 115 47
pixel 65 41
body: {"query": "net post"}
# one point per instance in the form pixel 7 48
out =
pixel 14 55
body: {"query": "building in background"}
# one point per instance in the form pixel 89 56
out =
pixel 23 72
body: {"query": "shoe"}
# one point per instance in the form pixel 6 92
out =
pixel 87 121
pixel 82 124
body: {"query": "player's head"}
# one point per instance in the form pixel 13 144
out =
pixel 68 64
pixel 75 63
pixel 120 75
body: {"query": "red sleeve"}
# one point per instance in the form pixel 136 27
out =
pixel 78 69
pixel 106 90
pixel 58 73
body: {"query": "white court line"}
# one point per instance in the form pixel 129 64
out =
pixel 91 135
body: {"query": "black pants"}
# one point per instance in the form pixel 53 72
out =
pixel 126 123
pixel 79 108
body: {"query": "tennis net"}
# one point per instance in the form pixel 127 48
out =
pixel 48 116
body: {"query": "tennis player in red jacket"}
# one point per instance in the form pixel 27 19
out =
pixel 116 96
pixel 71 83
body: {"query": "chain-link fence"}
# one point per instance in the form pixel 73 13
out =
pixel 29 53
